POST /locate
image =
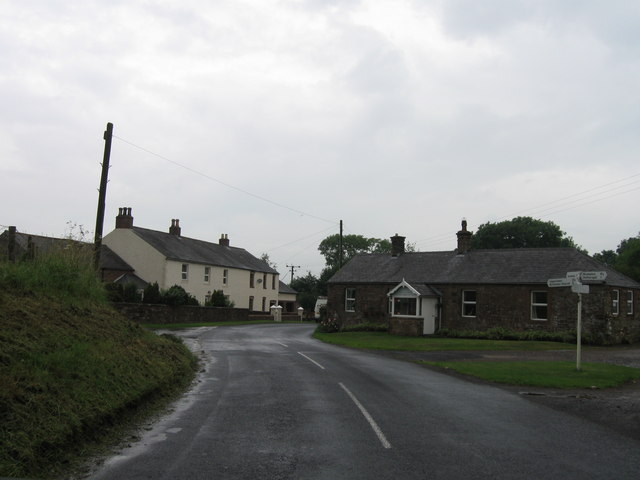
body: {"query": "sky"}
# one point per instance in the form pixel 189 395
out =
pixel 271 121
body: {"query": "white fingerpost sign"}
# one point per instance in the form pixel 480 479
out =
pixel 574 280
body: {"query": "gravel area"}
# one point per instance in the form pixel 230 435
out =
pixel 615 408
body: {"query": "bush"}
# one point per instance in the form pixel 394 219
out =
pixel 328 325
pixel 218 299
pixel 366 327
pixel 501 333
pixel 177 296
pixel 152 293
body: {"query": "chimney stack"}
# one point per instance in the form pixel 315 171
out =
pixel 11 247
pixel 175 229
pixel 224 240
pixel 124 218
pixel 464 239
pixel 397 245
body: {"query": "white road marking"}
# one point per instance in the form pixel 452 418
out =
pixel 286 346
pixel 372 422
pixel 311 360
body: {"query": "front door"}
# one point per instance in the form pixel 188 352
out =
pixel 430 315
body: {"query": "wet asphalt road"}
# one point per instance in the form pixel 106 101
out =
pixel 272 403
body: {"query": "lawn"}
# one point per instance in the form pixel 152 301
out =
pixel 384 341
pixel 545 374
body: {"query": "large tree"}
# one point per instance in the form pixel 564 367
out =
pixel 352 245
pixel 307 288
pixel 626 258
pixel 521 232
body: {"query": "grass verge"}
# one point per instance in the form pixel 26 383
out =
pixel 384 341
pixel 71 368
pixel 545 374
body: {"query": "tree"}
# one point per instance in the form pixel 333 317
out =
pixel 608 257
pixel 521 232
pixel 628 259
pixel 265 258
pixel 352 245
pixel 307 288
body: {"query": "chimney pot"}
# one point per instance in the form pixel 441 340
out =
pixel 124 218
pixel 175 227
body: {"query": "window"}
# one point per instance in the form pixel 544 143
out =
pixel 264 282
pixel 264 303
pixel 225 276
pixel 273 282
pixel 538 305
pixel 350 300
pixel 615 302
pixel 185 271
pixel 252 279
pixel 629 302
pixel 468 303
pixel 405 305
pixel 207 272
pixel 251 303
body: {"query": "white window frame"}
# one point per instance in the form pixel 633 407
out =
pixel 185 271
pixel 225 276
pixel 539 304
pixel 350 300
pixel 466 303
pixel 629 302
pixel 415 298
pixel 615 302
pixel 207 274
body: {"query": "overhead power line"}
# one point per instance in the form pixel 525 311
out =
pixel 556 206
pixel 228 185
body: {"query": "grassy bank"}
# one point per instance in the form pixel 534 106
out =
pixel 70 366
pixel 384 341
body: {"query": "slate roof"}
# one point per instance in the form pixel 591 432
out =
pixel 284 288
pixel 184 249
pixel 131 278
pixel 110 260
pixel 504 266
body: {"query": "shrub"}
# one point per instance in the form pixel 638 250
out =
pixel 366 327
pixel 152 293
pixel 218 299
pixel 501 333
pixel 329 325
pixel 176 296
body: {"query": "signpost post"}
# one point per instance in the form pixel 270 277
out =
pixel 574 280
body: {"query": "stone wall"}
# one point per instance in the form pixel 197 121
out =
pixel 507 306
pixel 406 326
pixel 371 304
pixel 147 313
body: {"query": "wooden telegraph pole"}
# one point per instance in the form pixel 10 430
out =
pixel 102 195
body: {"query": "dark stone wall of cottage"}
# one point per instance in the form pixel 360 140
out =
pixel 507 306
pixel 371 303
pixel 412 327
pixel 146 313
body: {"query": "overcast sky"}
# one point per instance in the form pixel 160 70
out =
pixel 271 121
